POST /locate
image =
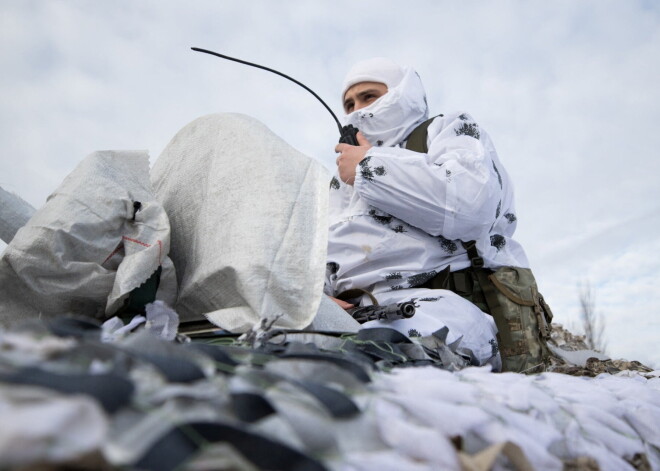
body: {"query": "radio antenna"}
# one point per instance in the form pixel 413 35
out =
pixel 223 56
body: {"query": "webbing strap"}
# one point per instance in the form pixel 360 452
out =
pixel 342 361
pixel 382 334
pixel 418 137
pixel 439 281
pixel 338 404
pixel 507 292
pixel 490 295
pixel 216 352
pixel 251 407
pixel 175 368
pixel 111 390
pixel 78 327
pixel 356 293
pixel 182 442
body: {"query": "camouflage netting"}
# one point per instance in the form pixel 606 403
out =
pixel 298 400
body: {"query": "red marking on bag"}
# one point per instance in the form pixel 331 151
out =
pixel 113 253
pixel 135 240
pixel 144 244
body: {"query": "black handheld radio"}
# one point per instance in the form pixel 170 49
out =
pixel 348 134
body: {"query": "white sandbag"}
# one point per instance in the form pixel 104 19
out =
pixel 83 252
pixel 249 223
pixel 40 425
pixel 14 214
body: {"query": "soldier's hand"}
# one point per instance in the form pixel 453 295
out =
pixel 342 304
pixel 350 156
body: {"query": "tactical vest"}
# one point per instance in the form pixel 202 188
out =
pixel 509 294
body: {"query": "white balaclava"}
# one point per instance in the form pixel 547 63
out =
pixel 389 120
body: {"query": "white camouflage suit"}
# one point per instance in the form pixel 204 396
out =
pixel 405 216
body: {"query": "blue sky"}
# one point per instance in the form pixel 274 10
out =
pixel 568 91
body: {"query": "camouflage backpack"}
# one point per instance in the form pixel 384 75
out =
pixel 509 294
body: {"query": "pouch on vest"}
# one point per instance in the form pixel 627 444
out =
pixel 522 317
pixel 510 295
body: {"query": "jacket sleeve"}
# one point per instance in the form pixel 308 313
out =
pixel 453 190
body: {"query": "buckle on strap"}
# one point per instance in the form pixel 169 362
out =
pixel 477 262
pixel 471 248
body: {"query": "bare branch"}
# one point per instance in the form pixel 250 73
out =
pixel 592 322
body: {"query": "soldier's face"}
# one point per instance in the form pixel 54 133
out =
pixel 363 94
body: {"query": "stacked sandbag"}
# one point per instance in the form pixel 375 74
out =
pixel 99 236
pixel 249 223
pixel 554 418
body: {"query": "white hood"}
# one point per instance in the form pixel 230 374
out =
pixel 390 119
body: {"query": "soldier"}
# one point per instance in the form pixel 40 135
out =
pixel 412 204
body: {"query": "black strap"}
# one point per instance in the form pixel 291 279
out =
pixel 383 351
pixel 182 442
pixel 439 281
pixel 495 308
pixel 382 334
pixel 175 368
pixel 340 360
pixel 77 327
pixel 250 407
pixel 219 355
pixel 171 361
pixel 111 390
pixel 337 403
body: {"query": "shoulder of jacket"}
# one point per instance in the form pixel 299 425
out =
pixel 460 121
pixel 442 120
pixel 460 115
